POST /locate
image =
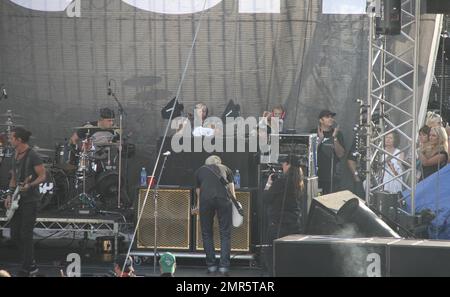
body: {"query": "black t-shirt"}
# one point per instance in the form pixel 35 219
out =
pixel 326 154
pixel 210 186
pixel 429 170
pixel 23 168
pixel 283 188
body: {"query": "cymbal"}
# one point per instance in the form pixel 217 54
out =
pixel 142 81
pixel 95 128
pixel 106 144
pixel 42 150
pixel 11 115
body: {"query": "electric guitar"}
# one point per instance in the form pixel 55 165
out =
pixel 15 198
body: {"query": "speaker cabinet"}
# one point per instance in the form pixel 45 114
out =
pixel 328 256
pixel 322 217
pixel 173 219
pixel 435 6
pixel 303 255
pixel 343 213
pixel 240 237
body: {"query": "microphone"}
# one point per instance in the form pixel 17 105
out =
pixel 5 95
pixel 109 88
pixel 167 153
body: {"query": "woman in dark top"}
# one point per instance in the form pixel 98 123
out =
pixel 283 198
pixel 435 153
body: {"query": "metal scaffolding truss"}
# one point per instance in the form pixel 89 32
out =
pixel 72 224
pixel 392 97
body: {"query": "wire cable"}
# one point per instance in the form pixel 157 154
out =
pixel 188 60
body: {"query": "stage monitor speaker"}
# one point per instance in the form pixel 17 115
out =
pixel 240 237
pixel 322 217
pixel 344 214
pixel 362 221
pixel 173 221
pixel 435 6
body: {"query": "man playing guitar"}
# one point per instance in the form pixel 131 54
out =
pixel 28 167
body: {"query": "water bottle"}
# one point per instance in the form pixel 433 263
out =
pixel 143 177
pixel 237 179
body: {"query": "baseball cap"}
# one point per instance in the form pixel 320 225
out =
pixel 325 113
pixel 107 113
pixel 167 263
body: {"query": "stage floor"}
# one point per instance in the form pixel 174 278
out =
pixel 51 256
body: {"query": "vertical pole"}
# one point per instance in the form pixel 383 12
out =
pixel 369 104
pixel 414 104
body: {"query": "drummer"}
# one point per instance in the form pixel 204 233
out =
pixel 103 130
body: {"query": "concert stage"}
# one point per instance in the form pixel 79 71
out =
pixel 94 238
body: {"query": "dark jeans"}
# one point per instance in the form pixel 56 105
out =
pixel 22 225
pixel 208 208
pixel 358 189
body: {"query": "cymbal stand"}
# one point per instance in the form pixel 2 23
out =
pixel 9 122
pixel 121 113
pixel 84 166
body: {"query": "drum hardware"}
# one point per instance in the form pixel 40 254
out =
pixel 91 128
pixel 121 114
pixel 6 148
pixel 86 200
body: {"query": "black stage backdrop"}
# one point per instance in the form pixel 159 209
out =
pixel 56 68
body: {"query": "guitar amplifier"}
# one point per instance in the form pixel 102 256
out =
pixel 241 236
pixel 173 220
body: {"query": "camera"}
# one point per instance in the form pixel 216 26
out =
pixel 274 169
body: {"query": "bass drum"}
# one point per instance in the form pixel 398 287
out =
pixel 53 192
pixel 107 185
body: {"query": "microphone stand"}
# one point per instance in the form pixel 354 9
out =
pixel 155 200
pixel 121 113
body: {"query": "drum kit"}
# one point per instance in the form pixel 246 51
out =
pixel 91 167
pixel 79 175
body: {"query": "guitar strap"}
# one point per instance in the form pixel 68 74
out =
pixel 24 167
